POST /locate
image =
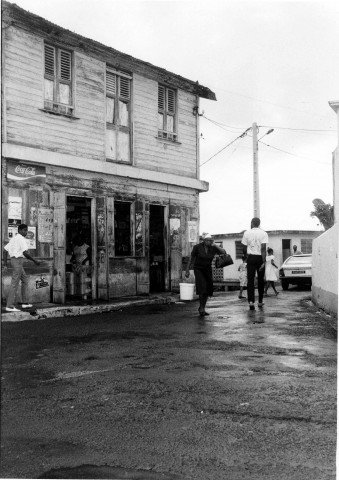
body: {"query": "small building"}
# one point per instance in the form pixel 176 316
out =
pixel 281 241
pixel 325 248
pixel 99 144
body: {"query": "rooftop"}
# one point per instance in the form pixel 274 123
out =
pixel 12 15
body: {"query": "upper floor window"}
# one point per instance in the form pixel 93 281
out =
pixel 167 113
pixel 118 108
pixel 58 80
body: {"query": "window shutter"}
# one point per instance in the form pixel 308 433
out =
pixel 161 97
pixel 49 60
pixel 124 88
pixel 170 100
pixel 111 84
pixel 65 65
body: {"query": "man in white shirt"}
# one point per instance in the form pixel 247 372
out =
pixel 17 249
pixel 255 242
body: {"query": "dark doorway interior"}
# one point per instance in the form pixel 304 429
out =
pixel 157 248
pixel 286 248
pixel 78 248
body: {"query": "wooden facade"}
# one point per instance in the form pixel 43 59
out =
pixel 130 187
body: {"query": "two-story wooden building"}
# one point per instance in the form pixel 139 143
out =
pixel 99 144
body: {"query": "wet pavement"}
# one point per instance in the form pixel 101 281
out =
pixel 157 392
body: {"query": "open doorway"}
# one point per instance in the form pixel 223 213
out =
pixel 79 264
pixel 286 248
pixel 157 248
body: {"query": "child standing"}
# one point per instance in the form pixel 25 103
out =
pixel 271 271
pixel 243 275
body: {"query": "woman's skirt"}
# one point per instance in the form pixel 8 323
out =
pixel 204 281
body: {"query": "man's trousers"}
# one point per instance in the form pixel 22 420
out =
pixel 254 262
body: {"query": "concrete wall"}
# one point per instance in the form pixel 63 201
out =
pixel 325 271
pixel 325 248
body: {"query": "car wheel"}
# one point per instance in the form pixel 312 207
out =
pixel 284 284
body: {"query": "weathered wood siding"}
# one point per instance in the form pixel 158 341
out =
pixel 24 99
pixel 157 154
pixel 84 135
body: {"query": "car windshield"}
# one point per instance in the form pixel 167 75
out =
pixel 299 259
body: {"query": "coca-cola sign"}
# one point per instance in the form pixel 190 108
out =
pixel 23 172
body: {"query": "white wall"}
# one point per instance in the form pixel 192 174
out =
pixel 325 271
pixel 274 241
pixel 325 248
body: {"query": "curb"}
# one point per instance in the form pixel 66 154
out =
pixel 78 310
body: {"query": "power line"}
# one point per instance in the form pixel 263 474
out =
pixel 298 129
pixel 312 130
pixel 222 125
pixel 293 154
pixel 240 136
pixel 267 101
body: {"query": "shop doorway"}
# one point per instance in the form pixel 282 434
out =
pixel 79 248
pixel 157 248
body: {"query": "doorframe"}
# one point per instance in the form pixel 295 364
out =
pixel 166 243
pixel 93 238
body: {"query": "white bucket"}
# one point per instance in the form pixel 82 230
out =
pixel 186 291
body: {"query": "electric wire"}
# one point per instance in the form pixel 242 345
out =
pixel 267 101
pixel 311 130
pixel 240 136
pixel 299 129
pixel 293 154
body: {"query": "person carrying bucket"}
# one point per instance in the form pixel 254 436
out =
pixel 201 259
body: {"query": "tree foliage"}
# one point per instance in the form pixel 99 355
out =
pixel 324 212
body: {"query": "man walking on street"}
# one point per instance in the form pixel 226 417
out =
pixel 17 249
pixel 255 241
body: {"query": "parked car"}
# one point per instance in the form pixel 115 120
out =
pixel 296 270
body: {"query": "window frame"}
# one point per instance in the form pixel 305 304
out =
pixel 58 78
pixel 116 126
pixel 238 246
pixel 164 109
pixel 306 245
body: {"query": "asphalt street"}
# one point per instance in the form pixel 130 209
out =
pixel 157 392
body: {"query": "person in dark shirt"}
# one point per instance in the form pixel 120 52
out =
pixel 201 260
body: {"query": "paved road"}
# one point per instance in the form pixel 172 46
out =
pixel 158 393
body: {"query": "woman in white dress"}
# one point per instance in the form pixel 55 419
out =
pixel 271 271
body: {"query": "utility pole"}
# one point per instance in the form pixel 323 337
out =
pixel 256 200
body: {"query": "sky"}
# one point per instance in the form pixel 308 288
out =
pixel 273 63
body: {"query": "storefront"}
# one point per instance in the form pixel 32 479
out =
pixel 97 238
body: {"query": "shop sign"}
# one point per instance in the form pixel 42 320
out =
pixel 24 172
pixel 192 231
pixel 14 209
pixel 41 282
pixel 31 238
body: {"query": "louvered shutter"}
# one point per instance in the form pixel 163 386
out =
pixel 65 66
pixel 161 97
pixel 125 88
pixel 111 83
pixel 170 101
pixel 49 61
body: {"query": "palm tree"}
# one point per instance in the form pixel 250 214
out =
pixel 324 212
